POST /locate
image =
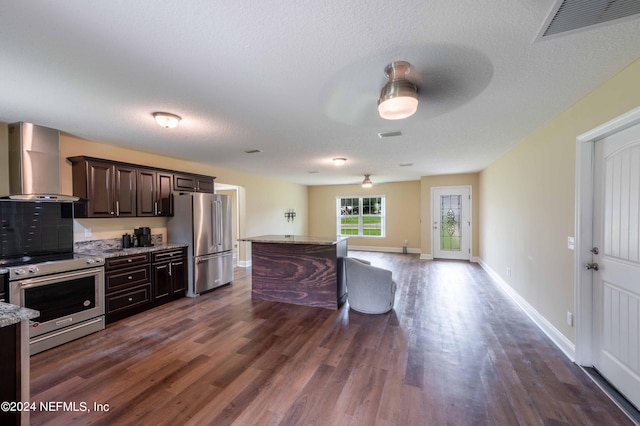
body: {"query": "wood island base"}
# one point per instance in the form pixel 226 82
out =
pixel 298 270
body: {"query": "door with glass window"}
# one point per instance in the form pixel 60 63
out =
pixel 451 221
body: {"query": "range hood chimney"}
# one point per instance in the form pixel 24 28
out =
pixel 34 163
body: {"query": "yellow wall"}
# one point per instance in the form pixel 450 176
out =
pixel 402 201
pixel 527 206
pixel 428 182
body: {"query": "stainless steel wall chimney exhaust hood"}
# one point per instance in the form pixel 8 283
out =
pixel 34 163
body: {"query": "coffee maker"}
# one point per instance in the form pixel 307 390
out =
pixel 143 236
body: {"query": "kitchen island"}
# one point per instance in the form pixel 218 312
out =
pixel 298 269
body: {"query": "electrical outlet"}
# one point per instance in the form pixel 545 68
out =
pixel 571 243
pixel 569 319
pixel 87 232
pixel 508 271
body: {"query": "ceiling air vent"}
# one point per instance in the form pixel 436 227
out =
pixel 389 134
pixel 572 15
pixel 252 151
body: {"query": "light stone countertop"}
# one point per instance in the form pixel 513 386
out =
pixel 117 252
pixel 13 314
pixel 295 239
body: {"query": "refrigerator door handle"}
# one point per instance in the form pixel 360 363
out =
pixel 206 258
pixel 214 226
pixel 219 223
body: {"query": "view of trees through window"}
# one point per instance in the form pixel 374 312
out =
pixel 361 216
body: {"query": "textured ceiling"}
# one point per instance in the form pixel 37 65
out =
pixel 300 80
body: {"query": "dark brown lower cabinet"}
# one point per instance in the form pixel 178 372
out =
pixel 169 269
pixel 10 372
pixel 138 282
pixel 127 286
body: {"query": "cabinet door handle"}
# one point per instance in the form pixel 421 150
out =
pixel 130 277
pixel 117 208
pixel 155 208
pixel 169 269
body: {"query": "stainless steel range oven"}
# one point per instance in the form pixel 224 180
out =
pixel 69 294
pixel 39 270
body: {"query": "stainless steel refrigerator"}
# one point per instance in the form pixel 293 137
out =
pixel 203 221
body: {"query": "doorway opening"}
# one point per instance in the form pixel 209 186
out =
pixel 238 213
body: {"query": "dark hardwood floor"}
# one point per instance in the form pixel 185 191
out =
pixel 454 351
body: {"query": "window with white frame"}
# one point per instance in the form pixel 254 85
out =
pixel 360 216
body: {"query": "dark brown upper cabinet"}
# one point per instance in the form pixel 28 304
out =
pixel 155 190
pixel 114 189
pixel 106 189
pixel 192 183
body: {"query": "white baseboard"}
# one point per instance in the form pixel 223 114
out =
pixel 244 263
pixel 543 324
pixel 426 256
pixel 423 256
pixel 385 249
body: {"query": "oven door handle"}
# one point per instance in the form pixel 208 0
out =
pixel 38 281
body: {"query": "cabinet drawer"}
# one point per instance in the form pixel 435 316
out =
pixel 127 278
pixel 128 299
pixel 126 261
pixel 162 256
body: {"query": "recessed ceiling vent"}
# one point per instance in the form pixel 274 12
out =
pixel 252 151
pixel 573 15
pixel 389 134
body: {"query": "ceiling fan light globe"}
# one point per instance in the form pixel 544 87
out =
pixel 398 108
pixel 399 96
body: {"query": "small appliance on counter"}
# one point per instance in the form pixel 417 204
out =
pixel 143 236
pixel 126 241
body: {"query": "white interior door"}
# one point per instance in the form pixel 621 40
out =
pixel 451 235
pixel 616 280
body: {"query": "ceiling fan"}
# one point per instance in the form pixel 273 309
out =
pixel 435 78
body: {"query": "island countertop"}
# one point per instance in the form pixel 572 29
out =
pixel 295 239
pixel 13 314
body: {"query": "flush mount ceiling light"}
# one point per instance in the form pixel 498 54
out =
pixel 399 97
pixel 339 161
pixel 366 183
pixel 166 119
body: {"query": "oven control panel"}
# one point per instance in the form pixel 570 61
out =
pixel 55 267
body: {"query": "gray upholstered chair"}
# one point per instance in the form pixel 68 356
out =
pixel 370 290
